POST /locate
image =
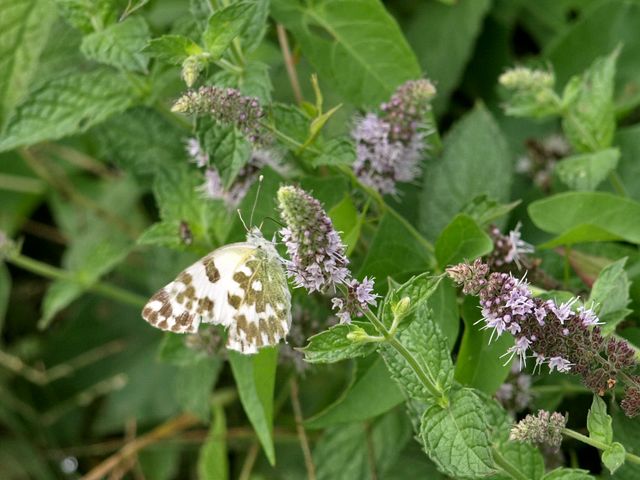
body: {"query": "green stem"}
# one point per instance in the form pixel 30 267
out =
pixel 54 273
pixel 21 184
pixel 407 355
pixel 616 183
pixel 597 444
pixel 507 466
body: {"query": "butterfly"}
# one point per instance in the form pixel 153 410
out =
pixel 241 286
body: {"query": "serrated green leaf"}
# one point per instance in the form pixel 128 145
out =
pixel 455 437
pixel 462 240
pixel 351 451
pixel 24 27
pixel 213 458
pixel 474 150
pixel 256 26
pixel 226 146
pixel 371 393
pixel 480 363
pixel 225 25
pixel 119 45
pixel 423 339
pixel 614 456
pixel 485 210
pixel 66 106
pixel 587 171
pixel 526 458
pixel 337 151
pixel 588 120
pixel 89 16
pixel 172 49
pixel 599 421
pixel 332 345
pixel 364 64
pixel 579 215
pixel 610 294
pixel 255 378
pixel 406 300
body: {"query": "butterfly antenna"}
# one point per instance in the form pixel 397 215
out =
pixel 242 220
pixel 255 200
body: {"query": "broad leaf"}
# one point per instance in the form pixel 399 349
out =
pixel 333 345
pixel 462 240
pixel 194 386
pixel 476 161
pixel 587 171
pixel 225 25
pixel 67 105
pixel 610 295
pixel 524 457
pixel 213 459
pixel 172 48
pixel 599 421
pixel 614 456
pixel 455 437
pixel 354 44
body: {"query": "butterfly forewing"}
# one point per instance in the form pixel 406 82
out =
pixel 241 286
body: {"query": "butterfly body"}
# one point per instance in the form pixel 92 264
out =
pixel 241 286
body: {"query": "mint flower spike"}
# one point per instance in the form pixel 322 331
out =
pixel 552 334
pixel 359 296
pixel 317 255
pixel 390 146
pixel 544 428
pixel 225 105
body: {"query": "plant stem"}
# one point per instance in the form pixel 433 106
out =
pixel 302 435
pixel 616 183
pixel 406 354
pixel 54 273
pixel 21 184
pixel 597 444
pixel 506 466
pixel 289 64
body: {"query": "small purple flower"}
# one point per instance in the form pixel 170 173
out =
pixel 196 153
pixel 318 260
pixel 588 316
pixel 508 249
pixel 359 296
pixel 562 312
pixel 561 364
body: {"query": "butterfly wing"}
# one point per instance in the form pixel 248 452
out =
pixel 240 286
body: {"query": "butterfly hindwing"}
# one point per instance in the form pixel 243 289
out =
pixel 241 286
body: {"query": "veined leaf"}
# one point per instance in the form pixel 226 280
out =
pixel 587 171
pixel 332 345
pixel 24 28
pixel 172 48
pixel 610 295
pixel 66 106
pixel 354 44
pixel 225 25
pixel 462 240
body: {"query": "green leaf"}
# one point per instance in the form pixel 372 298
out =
pixel 337 151
pixel 405 301
pixel 610 294
pixel 364 64
pixel 333 345
pixel 568 474
pixel 173 350
pixel 614 457
pixel 225 25
pixel 256 26
pixel 577 215
pixel 194 385
pixel 346 220
pixel 474 150
pixel 587 171
pixel 456 26
pixel 394 252
pixel 361 451
pixel 480 363
pixel 462 240
pixel 255 378
pixel 24 28
pixel 66 106
pixel 172 49
pixel 89 16
pixel 526 458
pixel 455 437
pixel 371 393
pixel 213 459
pixel 253 81
pixel 626 432
pixel 119 45
pixel 485 210
pixel 423 339
pixel 444 307
pixel 599 421
pixel 227 147
pixel 588 119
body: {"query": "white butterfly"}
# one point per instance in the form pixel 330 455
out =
pixel 241 286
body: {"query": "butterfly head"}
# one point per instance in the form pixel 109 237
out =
pixel 255 238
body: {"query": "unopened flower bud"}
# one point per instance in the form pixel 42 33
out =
pixel 191 68
pixel 543 428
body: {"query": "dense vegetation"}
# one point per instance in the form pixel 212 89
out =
pixel 453 191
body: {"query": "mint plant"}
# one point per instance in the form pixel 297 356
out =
pixel 448 192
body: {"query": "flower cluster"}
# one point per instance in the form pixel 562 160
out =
pixel 515 393
pixel 317 255
pixel 389 146
pixel 507 249
pixel 225 105
pixel 544 428
pixel 551 333
pixel 540 160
